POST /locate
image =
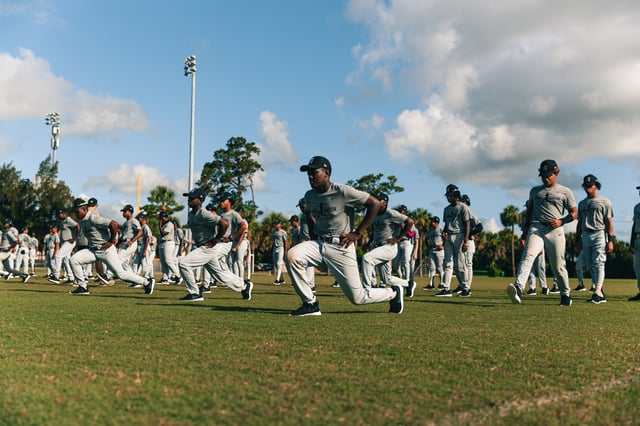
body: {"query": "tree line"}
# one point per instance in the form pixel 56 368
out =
pixel 31 204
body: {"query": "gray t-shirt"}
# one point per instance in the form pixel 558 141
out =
pixel 129 229
pixel 50 242
pixel 169 228
pixel 434 239
pixel 304 229
pixel 234 219
pixel 67 229
pixel 96 229
pixel 387 225
pixel 334 209
pixel 636 218
pixel 593 213
pixel 549 203
pixel 9 238
pixel 279 238
pixel 203 225
pixel 455 216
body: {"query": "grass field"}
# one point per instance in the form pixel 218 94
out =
pixel 119 357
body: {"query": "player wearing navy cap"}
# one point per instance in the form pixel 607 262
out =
pixel 278 248
pixel 8 245
pixel 69 230
pixel 101 236
pixel 330 209
pixel 457 228
pixel 594 234
pixel 210 234
pixel 635 244
pixel 435 245
pixel 543 228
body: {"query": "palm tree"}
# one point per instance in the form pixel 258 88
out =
pixel 510 217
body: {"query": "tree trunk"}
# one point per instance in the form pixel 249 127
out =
pixel 513 257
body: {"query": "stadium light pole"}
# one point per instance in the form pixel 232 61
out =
pixel 190 70
pixel 53 120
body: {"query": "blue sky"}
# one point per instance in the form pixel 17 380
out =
pixel 433 92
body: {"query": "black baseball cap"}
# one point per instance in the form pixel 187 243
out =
pixel 589 180
pixel 210 207
pixel 126 208
pixel 451 189
pixel 196 193
pixel 7 221
pixel 92 202
pixel 402 208
pixel 163 214
pixel 547 168
pixel 79 202
pixel 226 196
pixel 316 162
pixel 58 211
pixel 382 196
pixel 302 202
pixel 465 199
pixel 435 219
pixel 294 217
pixel 141 215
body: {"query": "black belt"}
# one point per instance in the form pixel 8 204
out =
pixel 330 240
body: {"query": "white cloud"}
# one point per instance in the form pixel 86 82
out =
pixel 277 148
pixel 491 225
pixel 124 179
pixel 542 105
pixel 506 83
pixel 28 88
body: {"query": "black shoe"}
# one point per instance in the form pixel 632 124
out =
pixel 465 293
pixel 458 290
pixel 307 309
pixel 531 292
pixel 205 289
pixel 149 286
pixel 335 285
pixel 396 305
pixel 597 299
pixel 443 293
pixel 53 279
pixel 514 293
pixel 246 293
pixel 545 291
pixel 429 287
pixel 635 298
pixel 565 300
pixel 592 289
pixel 441 287
pixel 177 280
pixel 580 287
pixel 80 291
pixel 25 278
pixel 192 298
pixel 135 285
pixel 411 288
pixel 554 290
pixel 214 285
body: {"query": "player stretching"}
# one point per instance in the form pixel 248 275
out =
pixel 329 209
pixel 543 229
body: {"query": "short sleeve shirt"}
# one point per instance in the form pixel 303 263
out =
pixel 279 238
pixel 455 216
pixel 96 229
pixel 334 209
pixel 387 225
pixel 593 213
pixel 203 226
pixel 549 203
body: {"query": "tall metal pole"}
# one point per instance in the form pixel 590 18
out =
pixel 190 69
pixel 53 120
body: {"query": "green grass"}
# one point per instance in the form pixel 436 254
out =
pixel 120 357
